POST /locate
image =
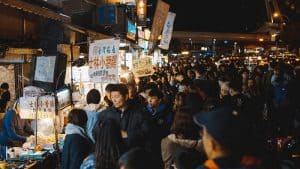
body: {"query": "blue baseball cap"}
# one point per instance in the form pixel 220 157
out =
pixel 222 123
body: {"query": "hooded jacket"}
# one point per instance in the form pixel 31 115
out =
pixel 92 112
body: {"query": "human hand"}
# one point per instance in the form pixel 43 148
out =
pixel 124 134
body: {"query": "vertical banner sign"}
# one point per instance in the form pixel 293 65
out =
pixel 46 107
pixel 28 107
pixel 167 31
pixel 160 17
pixel 103 61
pixel 141 12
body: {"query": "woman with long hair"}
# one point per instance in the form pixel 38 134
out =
pixel 184 138
pixel 108 148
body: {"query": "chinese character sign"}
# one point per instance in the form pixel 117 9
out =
pixel 167 31
pixel 43 106
pixel 28 107
pixel 103 61
pixel 46 107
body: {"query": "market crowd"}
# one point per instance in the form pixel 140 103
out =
pixel 189 114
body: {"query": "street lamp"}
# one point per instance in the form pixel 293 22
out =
pixel 214 47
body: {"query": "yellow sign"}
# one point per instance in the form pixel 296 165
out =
pixel 142 66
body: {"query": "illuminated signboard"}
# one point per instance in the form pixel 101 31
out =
pixel 131 30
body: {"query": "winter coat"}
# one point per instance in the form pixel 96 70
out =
pixel 134 120
pixel 77 146
pixel 92 112
pixel 171 145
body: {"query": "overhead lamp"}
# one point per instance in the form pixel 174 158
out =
pixel 185 52
pixel 275 14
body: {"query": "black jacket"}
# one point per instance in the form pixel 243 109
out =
pixel 76 149
pixel 134 120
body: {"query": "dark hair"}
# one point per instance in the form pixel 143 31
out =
pixel 156 92
pixel 183 124
pixel 93 96
pixel 194 102
pixel 4 86
pixel 181 95
pixel 108 147
pixel 137 158
pixel 78 117
pixel 235 85
pixel 109 87
pixel 121 88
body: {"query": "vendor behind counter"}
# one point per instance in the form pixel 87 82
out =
pixel 14 129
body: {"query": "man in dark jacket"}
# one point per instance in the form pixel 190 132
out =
pixel 134 122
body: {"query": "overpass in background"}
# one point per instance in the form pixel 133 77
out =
pixel 186 37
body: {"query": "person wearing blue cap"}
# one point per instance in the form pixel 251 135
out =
pixel 223 136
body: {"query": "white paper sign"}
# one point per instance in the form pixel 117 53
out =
pixel 44 109
pixel 44 70
pixel 28 107
pixel 103 61
pixel 167 31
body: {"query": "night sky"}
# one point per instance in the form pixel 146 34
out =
pixel 217 15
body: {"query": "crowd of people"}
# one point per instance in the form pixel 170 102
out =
pixel 189 114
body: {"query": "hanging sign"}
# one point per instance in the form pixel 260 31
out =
pixel 103 61
pixel 160 16
pixel 142 66
pixel 167 31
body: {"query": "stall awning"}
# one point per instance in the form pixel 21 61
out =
pixel 37 10
pixel 90 33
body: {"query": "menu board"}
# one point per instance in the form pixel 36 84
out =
pixel 44 70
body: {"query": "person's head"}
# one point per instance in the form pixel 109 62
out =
pixel 132 90
pixel 137 158
pixel 78 117
pixel 224 88
pixel 183 125
pixel 180 100
pixel 108 90
pixel 119 95
pixel 194 102
pixel 185 85
pixel 93 97
pixel 4 86
pixel 108 143
pixel 251 83
pixel 234 87
pixel 222 131
pixel 191 74
pixel 155 97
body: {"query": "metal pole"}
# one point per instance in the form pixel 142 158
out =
pixel 72 60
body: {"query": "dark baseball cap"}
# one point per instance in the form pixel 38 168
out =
pixel 222 123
